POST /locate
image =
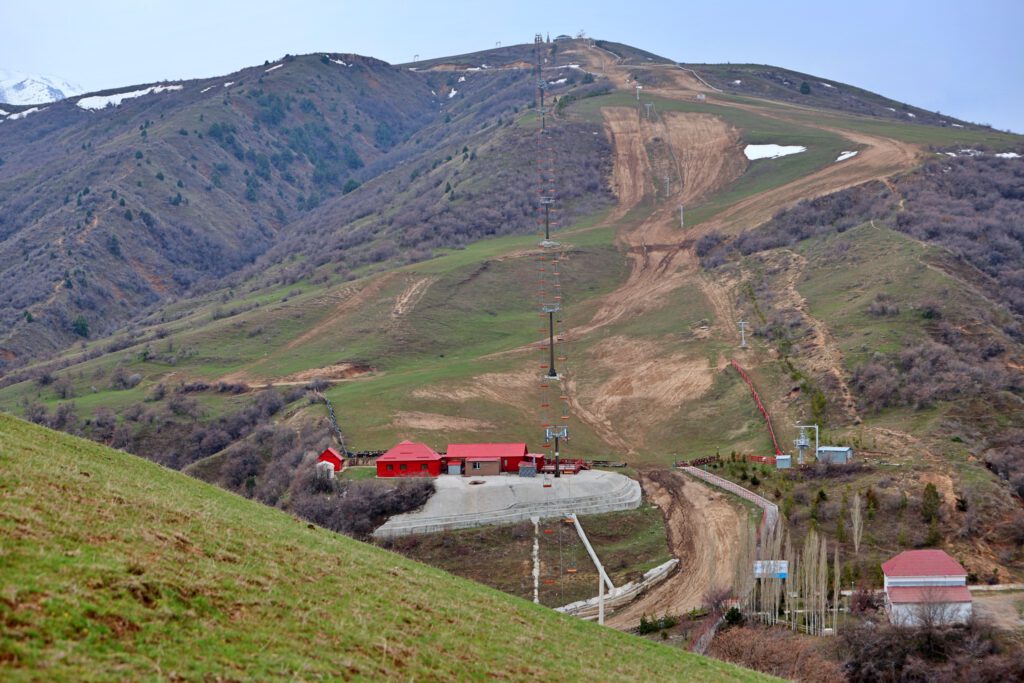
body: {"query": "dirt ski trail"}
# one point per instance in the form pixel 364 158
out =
pixel 703 532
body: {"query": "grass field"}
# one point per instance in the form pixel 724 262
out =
pixel 115 568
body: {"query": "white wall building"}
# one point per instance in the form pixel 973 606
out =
pixel 926 587
pixel 834 455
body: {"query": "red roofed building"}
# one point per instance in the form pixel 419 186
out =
pixel 481 459
pixel 409 459
pixel 926 587
pixel 334 457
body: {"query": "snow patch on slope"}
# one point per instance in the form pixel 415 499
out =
pixel 754 152
pixel 453 93
pixel 273 68
pixel 1008 155
pixel 843 156
pixel 23 114
pixel 102 101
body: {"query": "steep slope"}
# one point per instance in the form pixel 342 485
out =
pixel 115 567
pixel 118 199
pixel 771 82
pixel 144 194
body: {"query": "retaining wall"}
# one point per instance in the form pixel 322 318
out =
pixel 626 497
pixel 624 594
pixel 769 510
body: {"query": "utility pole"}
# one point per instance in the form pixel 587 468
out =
pixel 743 329
pixel 682 224
pixel 648 106
pixel 668 186
pixel 638 89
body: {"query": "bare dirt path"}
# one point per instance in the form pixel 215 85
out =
pixel 1004 609
pixel 411 296
pixel 703 532
pixel 818 348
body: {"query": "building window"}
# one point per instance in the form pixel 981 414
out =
pixel 402 467
pixel 391 468
pixel 423 467
pixel 476 466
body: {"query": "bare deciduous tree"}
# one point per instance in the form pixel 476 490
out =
pixel 857 520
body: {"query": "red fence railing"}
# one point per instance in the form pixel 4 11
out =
pixel 757 399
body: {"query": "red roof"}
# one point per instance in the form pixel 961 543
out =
pixel 923 594
pixel 923 563
pixel 407 450
pixel 486 451
pixel 330 449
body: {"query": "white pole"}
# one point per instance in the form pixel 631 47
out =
pixel 600 600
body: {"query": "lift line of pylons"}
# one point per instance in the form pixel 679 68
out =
pixel 553 409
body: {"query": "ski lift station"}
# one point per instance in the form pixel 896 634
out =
pixel 409 459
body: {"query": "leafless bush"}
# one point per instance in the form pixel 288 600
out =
pixel 121 379
pixel 318 384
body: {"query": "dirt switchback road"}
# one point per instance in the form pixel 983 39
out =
pixel 703 532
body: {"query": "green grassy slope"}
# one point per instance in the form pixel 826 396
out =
pixel 114 568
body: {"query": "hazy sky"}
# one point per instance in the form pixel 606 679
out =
pixel 963 58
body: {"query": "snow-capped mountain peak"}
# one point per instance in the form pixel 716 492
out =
pixel 18 88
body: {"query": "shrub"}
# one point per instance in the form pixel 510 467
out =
pixel 80 326
pixel 930 502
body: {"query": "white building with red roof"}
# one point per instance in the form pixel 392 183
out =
pixel 926 587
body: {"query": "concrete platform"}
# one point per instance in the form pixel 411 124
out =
pixel 461 504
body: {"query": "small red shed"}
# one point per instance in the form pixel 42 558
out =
pixel 409 459
pixel 334 457
pixel 509 455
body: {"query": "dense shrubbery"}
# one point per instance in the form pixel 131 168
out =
pixel 354 508
pixel 973 206
pixel 974 652
pixel 921 374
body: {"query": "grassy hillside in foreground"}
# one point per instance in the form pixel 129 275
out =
pixel 116 568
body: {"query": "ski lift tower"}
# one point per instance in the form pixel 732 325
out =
pixel 803 442
pixel 743 333
pixel 556 433
pixel 551 309
pixel 546 202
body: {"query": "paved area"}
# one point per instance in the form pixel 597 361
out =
pixel 463 502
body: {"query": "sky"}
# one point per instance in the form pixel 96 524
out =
pixel 965 59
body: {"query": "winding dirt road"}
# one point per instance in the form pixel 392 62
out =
pixel 703 532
